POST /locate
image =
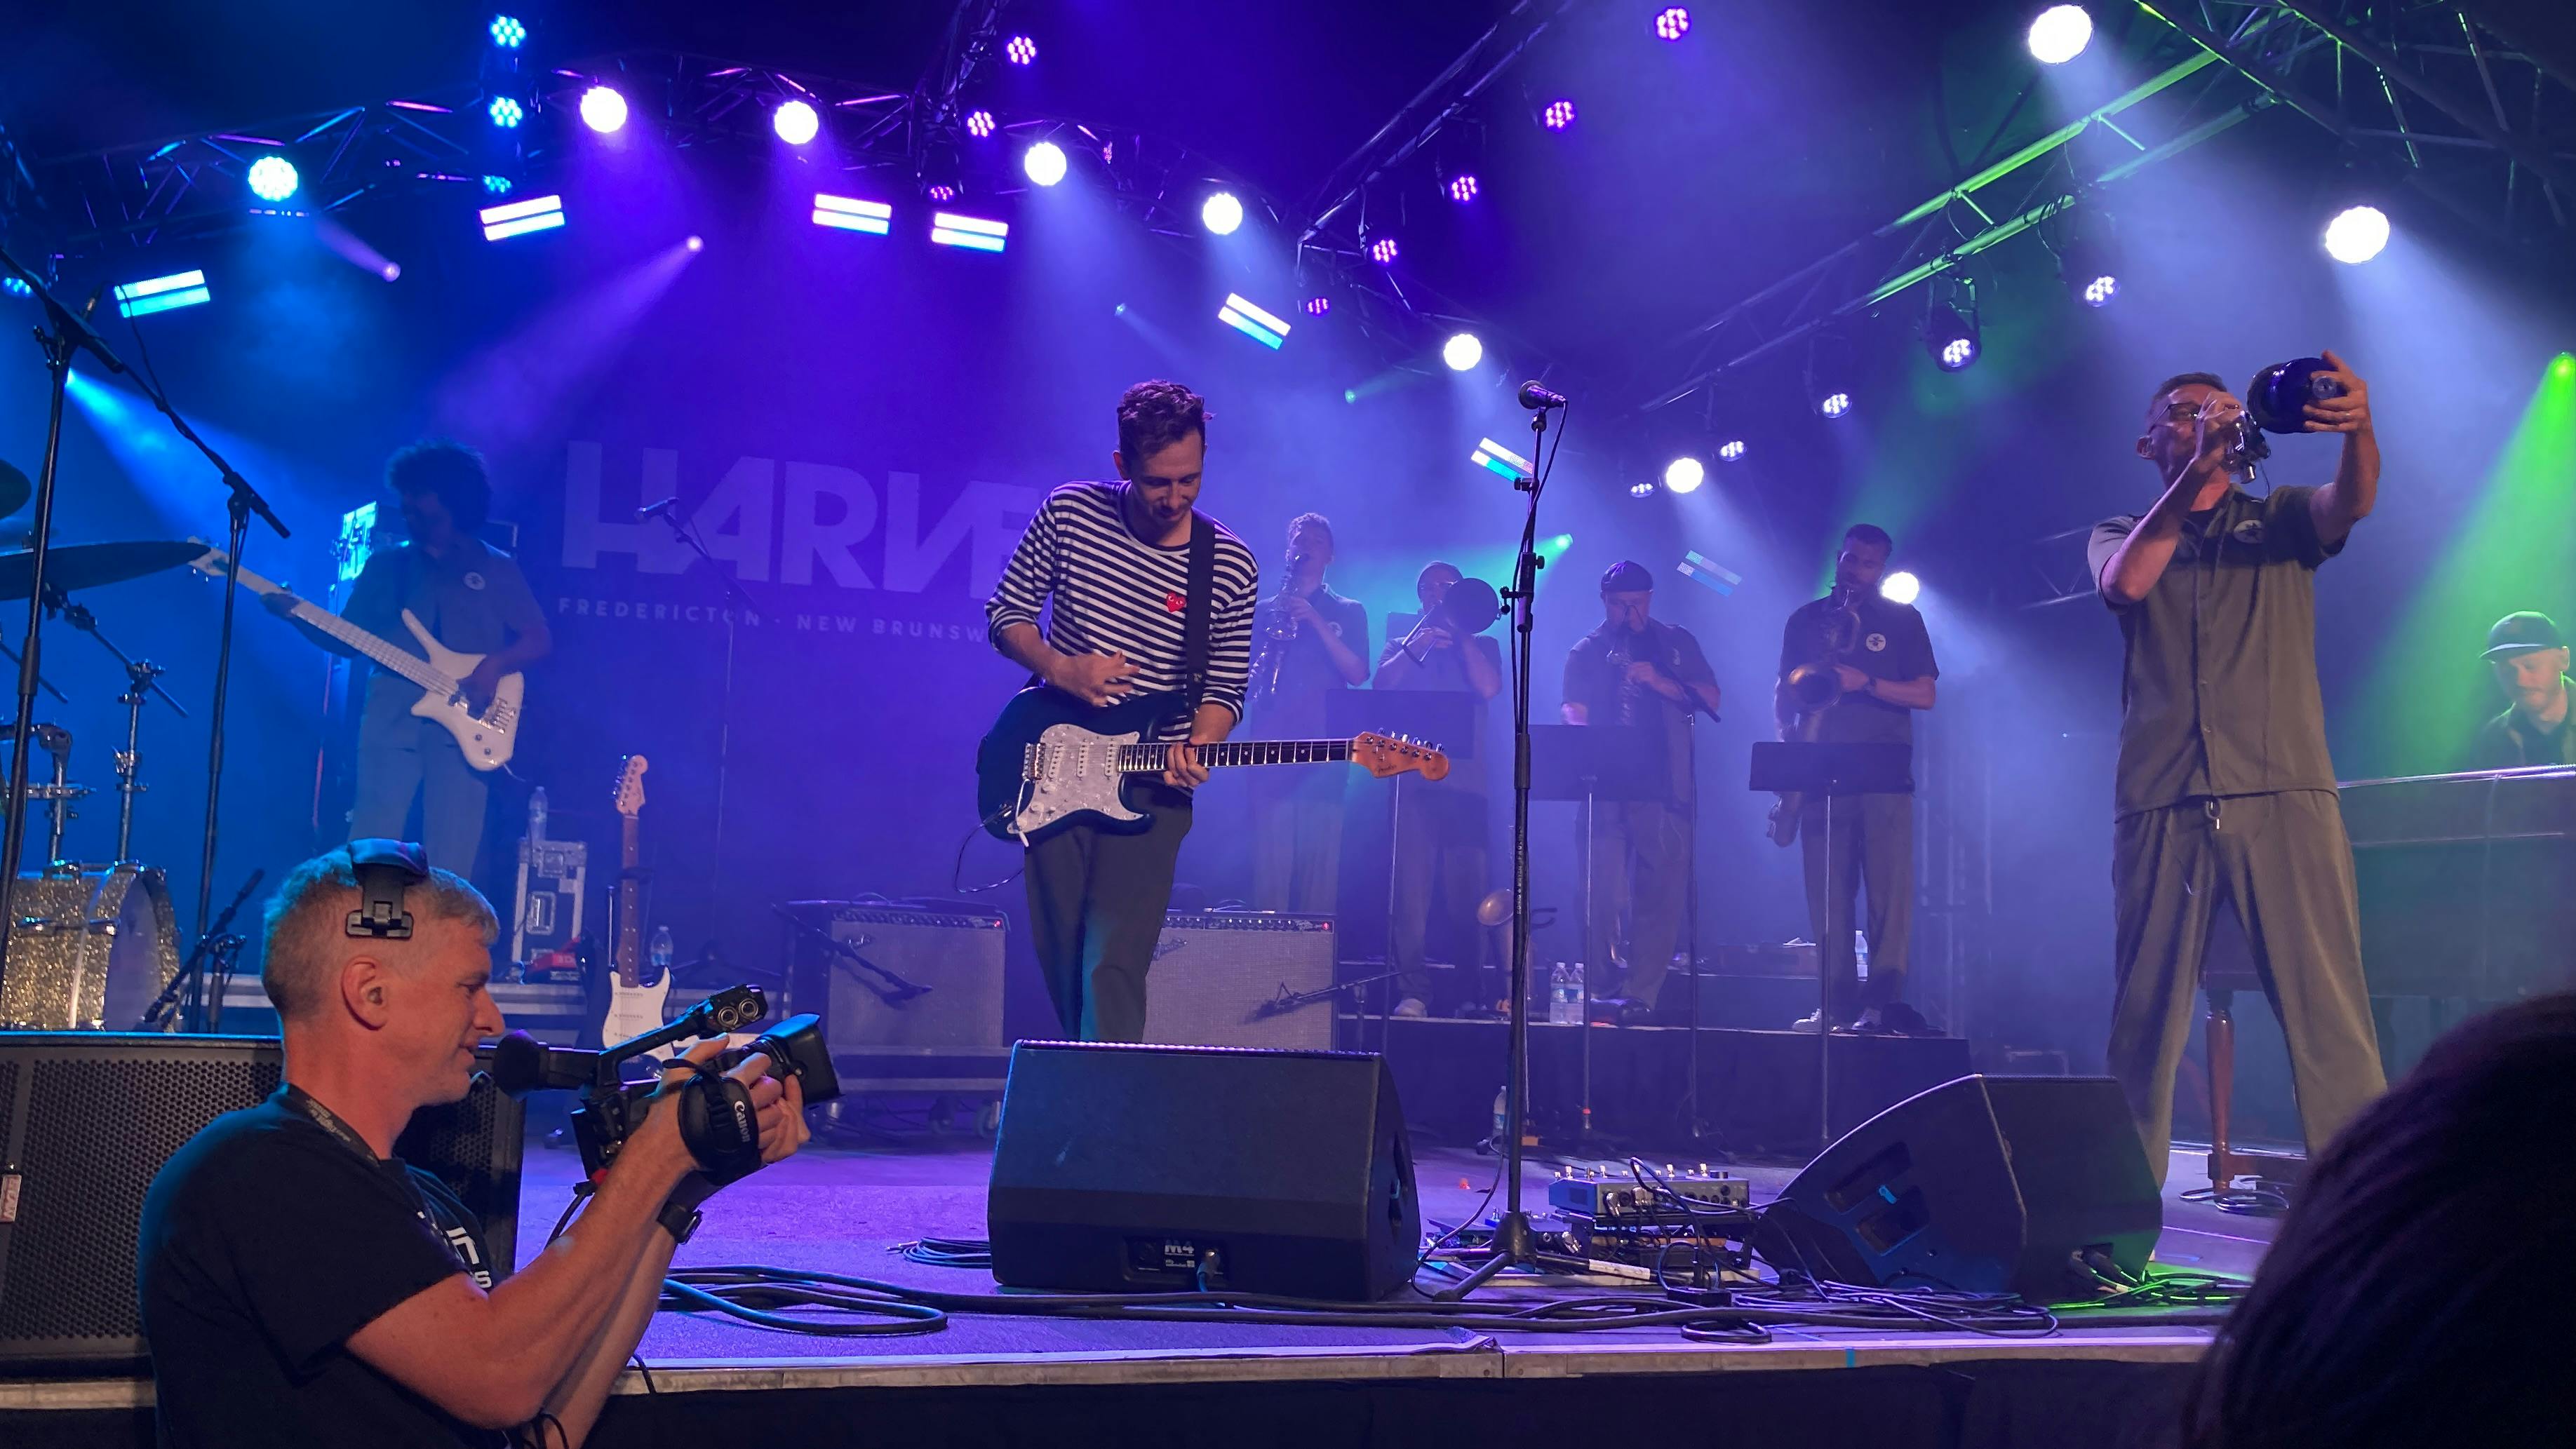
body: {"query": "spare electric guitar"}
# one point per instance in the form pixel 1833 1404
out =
pixel 488 739
pixel 633 1006
pixel 1052 761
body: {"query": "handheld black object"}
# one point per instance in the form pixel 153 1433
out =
pixel 2278 397
pixel 384 869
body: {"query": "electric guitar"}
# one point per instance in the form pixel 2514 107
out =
pixel 633 1007
pixel 488 739
pixel 1052 761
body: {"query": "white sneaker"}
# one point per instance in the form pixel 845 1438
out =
pixel 1811 1023
pixel 1411 1008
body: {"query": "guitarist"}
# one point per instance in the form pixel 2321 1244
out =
pixel 1886 672
pixel 473 599
pixel 1113 562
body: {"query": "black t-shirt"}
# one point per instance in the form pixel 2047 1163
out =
pixel 1892 645
pixel 1596 677
pixel 266 1242
pixel 1291 675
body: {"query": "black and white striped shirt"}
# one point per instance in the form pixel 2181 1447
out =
pixel 1111 591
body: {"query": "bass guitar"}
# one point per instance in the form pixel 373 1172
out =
pixel 1052 761
pixel 488 739
pixel 634 1007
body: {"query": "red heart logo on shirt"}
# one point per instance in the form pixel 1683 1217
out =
pixel 1174 603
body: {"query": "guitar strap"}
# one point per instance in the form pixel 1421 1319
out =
pixel 1198 617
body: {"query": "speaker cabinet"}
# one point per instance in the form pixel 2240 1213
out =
pixel 1123 1167
pixel 1217 977
pixel 1986 1184
pixel 86 1121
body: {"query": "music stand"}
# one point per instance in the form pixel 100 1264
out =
pixel 1821 772
pixel 1590 764
pixel 1442 718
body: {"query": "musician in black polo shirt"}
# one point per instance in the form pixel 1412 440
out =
pixel 1109 564
pixel 2529 656
pixel 300 1286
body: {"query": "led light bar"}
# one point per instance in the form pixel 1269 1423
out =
pixel 1497 458
pixel 851 214
pixel 1252 322
pixel 161 294
pixel 1699 566
pixel 972 232
pixel 537 213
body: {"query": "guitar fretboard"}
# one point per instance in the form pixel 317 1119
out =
pixel 1155 758
pixel 403 662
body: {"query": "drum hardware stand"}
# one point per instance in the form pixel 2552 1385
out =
pixel 143 680
pixel 219 944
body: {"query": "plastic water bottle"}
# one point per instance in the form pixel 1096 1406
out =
pixel 1502 1105
pixel 660 952
pixel 537 816
pixel 1860 950
pixel 1560 1011
pixel 1577 995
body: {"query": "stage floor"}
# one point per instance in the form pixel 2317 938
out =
pixel 848 1210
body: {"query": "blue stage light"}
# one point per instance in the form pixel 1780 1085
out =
pixel 162 294
pixel 974 233
pixel 508 33
pixel 1834 404
pixel 272 178
pixel 1496 458
pixel 1252 321
pixel 848 213
pixel 1731 451
pixel 498 185
pixel 537 213
pixel 15 287
pixel 506 112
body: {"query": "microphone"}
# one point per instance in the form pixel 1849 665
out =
pixel 657 510
pixel 1538 399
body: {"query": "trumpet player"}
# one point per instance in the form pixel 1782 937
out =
pixel 1308 644
pixel 2224 790
pixel 1854 667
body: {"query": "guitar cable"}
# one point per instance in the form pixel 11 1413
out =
pixel 957 872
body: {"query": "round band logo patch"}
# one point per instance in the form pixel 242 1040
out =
pixel 1875 643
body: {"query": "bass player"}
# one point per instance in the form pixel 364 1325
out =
pixel 473 599
pixel 1111 564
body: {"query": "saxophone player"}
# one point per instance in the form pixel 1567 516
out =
pixel 1309 643
pixel 1880 660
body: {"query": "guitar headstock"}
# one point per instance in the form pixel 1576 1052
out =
pixel 1387 756
pixel 630 785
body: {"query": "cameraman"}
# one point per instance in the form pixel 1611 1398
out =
pixel 300 1285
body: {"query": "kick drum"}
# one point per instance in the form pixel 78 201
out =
pixel 88 950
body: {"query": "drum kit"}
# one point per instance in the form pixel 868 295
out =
pixel 91 946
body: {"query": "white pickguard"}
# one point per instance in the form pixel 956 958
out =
pixel 1070 770
pixel 632 1010
pixel 488 742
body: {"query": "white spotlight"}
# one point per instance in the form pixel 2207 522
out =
pixel 1900 588
pixel 795 123
pixel 2356 234
pixel 2060 34
pixel 1044 163
pixel 1221 213
pixel 1462 352
pixel 1684 475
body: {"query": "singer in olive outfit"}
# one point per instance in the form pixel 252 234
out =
pixel 2224 788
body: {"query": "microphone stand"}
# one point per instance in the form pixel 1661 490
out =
pixel 895 992
pixel 1514 1244
pixel 738 603
pixel 64 333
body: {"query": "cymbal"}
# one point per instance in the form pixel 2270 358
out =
pixel 71 566
pixel 15 490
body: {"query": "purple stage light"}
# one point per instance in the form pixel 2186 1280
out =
pixel 1020 50
pixel 1462 188
pixel 1673 24
pixel 1318 306
pixel 979 124
pixel 537 213
pixel 1558 116
pixel 848 213
pixel 795 123
pixel 1382 251
pixel 942 191
pixel 603 110
pixel 697 243
pixel 975 233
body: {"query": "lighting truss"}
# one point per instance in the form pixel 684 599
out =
pixel 2375 83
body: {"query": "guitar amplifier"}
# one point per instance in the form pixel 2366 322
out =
pixel 880 1033
pixel 554 880
pixel 1218 977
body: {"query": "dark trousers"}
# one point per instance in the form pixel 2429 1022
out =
pixel 2284 863
pixel 1640 854
pixel 1873 843
pixel 1096 906
pixel 1439 858
pixel 401 755
pixel 1297 838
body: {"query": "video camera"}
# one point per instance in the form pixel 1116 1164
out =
pixel 716 1121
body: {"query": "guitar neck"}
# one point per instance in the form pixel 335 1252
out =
pixel 401 661
pixel 630 928
pixel 1155 758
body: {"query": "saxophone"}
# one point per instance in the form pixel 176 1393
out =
pixel 1816 686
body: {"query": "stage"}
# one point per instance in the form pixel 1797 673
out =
pixel 992 1379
